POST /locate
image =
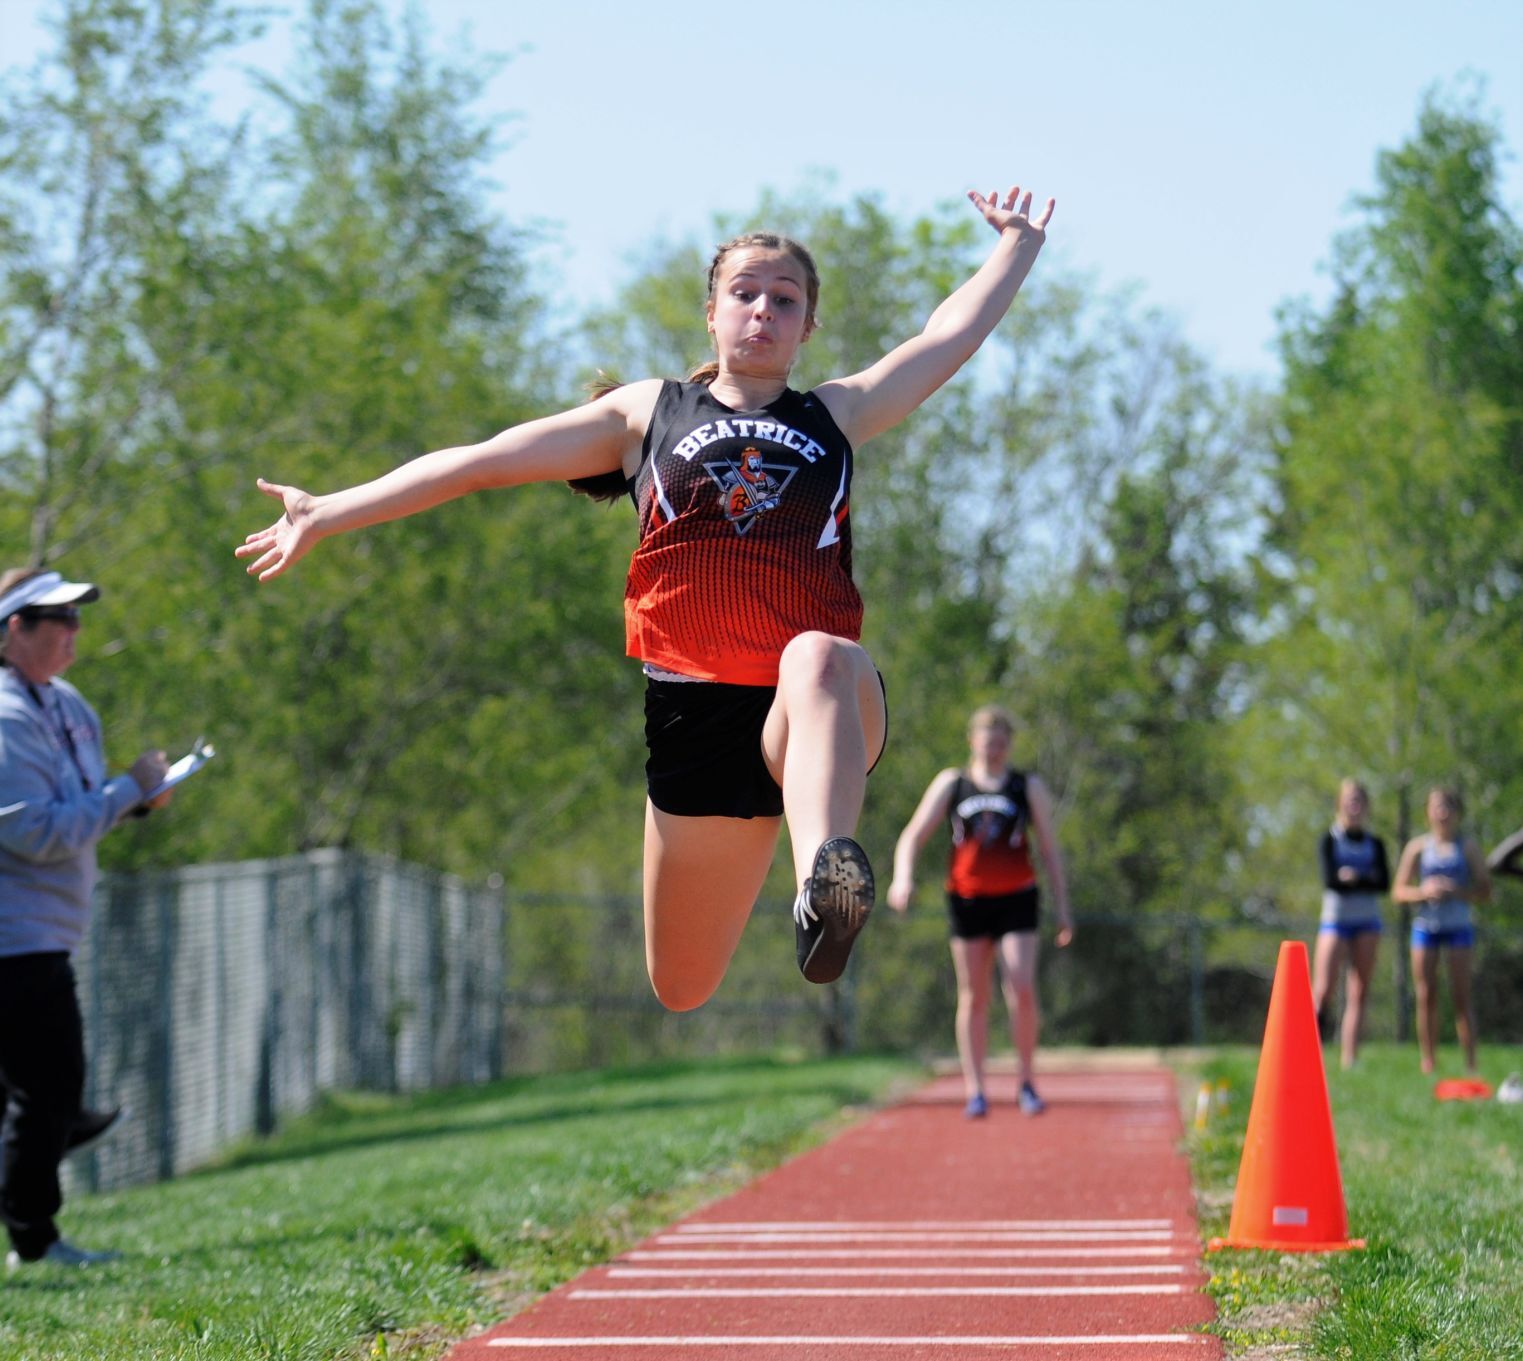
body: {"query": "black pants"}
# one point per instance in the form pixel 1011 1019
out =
pixel 42 1080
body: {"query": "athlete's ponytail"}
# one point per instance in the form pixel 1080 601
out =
pixel 610 486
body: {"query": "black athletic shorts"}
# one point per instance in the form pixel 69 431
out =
pixel 972 918
pixel 705 752
pixel 704 746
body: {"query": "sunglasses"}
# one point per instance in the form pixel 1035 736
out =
pixel 59 614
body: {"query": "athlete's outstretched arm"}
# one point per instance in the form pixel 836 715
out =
pixel 870 402
pixel 582 442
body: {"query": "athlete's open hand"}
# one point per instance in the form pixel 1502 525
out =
pixel 287 540
pixel 1014 212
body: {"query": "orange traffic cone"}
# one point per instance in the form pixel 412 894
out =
pixel 1289 1192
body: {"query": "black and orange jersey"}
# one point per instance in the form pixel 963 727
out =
pixel 745 536
pixel 991 855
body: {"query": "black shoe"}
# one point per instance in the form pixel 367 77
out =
pixel 91 1125
pixel 831 909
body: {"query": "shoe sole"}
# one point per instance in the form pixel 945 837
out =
pixel 841 890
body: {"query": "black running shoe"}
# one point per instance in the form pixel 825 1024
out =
pixel 831 909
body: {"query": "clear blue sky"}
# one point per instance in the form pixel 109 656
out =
pixel 1206 151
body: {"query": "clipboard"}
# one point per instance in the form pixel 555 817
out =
pixel 184 768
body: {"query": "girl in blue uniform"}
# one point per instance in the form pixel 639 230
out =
pixel 1441 874
pixel 1355 876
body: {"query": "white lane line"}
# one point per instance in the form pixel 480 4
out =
pixel 933 1236
pixel 1185 1248
pixel 691 1271
pixel 818 1340
pixel 942 1225
pixel 873 1292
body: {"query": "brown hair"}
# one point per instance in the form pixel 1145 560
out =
pixel 13 577
pixel 993 716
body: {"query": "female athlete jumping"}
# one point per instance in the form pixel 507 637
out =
pixel 760 701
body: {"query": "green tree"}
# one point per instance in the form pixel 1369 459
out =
pixel 106 162
pixel 315 306
pixel 1391 646
pixel 109 171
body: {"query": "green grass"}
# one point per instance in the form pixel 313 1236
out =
pixel 386 1227
pixel 1435 1187
pixel 389 1227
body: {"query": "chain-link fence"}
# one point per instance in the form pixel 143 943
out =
pixel 219 999
pixel 1158 980
pixel 578 994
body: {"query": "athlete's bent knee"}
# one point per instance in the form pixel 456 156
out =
pixel 819 658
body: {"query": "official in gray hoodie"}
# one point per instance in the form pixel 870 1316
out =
pixel 55 804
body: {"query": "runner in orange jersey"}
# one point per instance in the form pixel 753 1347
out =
pixel 992 896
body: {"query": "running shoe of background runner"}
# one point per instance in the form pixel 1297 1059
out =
pixel 1031 1103
pixel 977 1107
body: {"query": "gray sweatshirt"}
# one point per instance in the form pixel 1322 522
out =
pixel 55 804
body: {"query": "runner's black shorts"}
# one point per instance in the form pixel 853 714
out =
pixel 705 749
pixel 975 918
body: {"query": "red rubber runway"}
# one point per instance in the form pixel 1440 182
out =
pixel 1068 1236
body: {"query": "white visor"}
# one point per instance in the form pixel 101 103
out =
pixel 46 588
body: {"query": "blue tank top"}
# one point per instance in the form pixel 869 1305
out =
pixel 1446 914
pixel 1357 854
pixel 1449 862
pixel 1351 907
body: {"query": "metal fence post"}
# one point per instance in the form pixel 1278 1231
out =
pixel 1197 982
pixel 166 1008
pixel 496 900
pixel 269 1040
pixel 219 1003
